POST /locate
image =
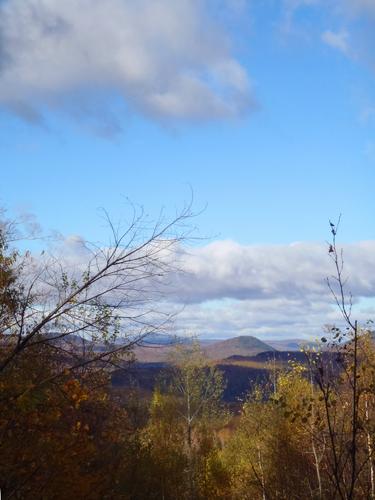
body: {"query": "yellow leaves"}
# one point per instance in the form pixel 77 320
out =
pixel 60 425
pixel 297 368
pixel 156 399
pixel 79 427
pixel 75 392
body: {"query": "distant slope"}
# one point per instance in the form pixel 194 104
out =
pixel 144 376
pixel 152 353
pixel 151 350
pixel 243 346
pixel 282 357
pixel 291 344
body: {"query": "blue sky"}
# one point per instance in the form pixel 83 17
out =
pixel 266 109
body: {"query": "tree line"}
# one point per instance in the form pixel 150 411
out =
pixel 305 433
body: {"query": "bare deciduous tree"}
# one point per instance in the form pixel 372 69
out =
pixel 345 391
pixel 97 304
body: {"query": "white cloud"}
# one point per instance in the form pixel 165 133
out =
pixel 168 60
pixel 337 40
pixel 229 289
pixel 266 319
pixel 225 269
pixel 269 291
pixel 270 319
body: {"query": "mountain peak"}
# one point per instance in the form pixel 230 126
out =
pixel 244 345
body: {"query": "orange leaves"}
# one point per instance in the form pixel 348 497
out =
pixel 59 435
pixel 75 392
pixel 79 427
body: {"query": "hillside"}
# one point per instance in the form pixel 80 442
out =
pixel 243 346
pixel 144 376
pixel 291 344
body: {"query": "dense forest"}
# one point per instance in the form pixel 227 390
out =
pixel 306 430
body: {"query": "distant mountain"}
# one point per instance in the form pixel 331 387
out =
pixel 160 339
pixel 169 339
pixel 244 346
pixel 291 344
pixel 158 347
pixel 269 356
pixel 153 353
pixel 149 352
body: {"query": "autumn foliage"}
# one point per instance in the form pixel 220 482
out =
pixel 307 432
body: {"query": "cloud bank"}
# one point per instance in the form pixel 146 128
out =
pixel 228 270
pixel 350 23
pixel 269 291
pixel 336 40
pixel 167 60
pixel 227 289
